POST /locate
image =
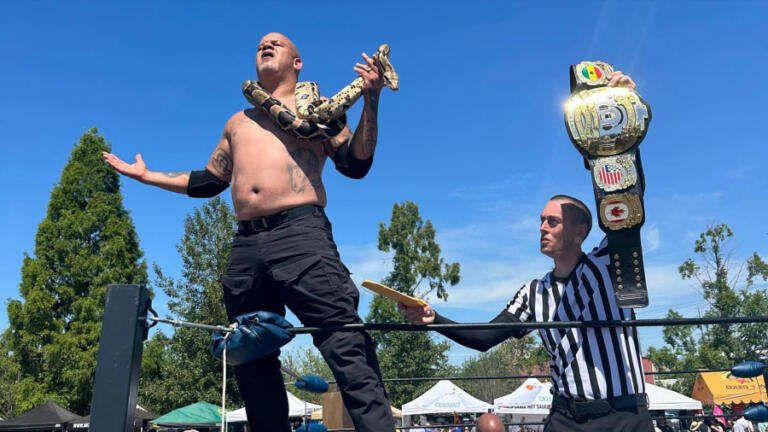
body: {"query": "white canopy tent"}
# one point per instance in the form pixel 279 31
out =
pixel 530 402
pixel 444 398
pixel 660 398
pixel 532 397
pixel 296 408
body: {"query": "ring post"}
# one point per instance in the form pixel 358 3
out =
pixel 116 384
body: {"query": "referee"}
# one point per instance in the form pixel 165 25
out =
pixel 597 373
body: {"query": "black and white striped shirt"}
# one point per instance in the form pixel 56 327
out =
pixel 589 363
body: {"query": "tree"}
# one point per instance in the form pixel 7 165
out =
pixel 9 382
pixel 86 241
pixel 181 370
pixel 523 356
pixel 416 261
pixel 721 345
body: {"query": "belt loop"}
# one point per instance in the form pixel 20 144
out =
pixel 264 222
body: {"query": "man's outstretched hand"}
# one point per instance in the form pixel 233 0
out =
pixel 135 170
pixel 418 315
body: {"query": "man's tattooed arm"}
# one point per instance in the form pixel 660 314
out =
pixel 176 174
pixel 220 164
pixel 364 139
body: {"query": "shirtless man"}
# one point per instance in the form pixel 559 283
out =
pixel 284 254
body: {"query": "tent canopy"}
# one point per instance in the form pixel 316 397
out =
pixel 660 398
pixel 139 415
pixel 201 414
pixel 723 388
pixel 445 397
pixel 296 408
pixel 47 415
pixel 532 397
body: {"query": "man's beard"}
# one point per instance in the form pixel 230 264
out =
pixel 271 67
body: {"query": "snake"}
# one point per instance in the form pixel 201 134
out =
pixel 317 119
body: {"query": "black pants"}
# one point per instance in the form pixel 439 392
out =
pixel 635 419
pixel 296 264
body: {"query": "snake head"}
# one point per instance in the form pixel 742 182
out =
pixel 388 71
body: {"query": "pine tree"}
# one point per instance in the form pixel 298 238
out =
pixel 86 241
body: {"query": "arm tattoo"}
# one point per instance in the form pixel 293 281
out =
pixel 175 174
pixel 370 129
pixel 222 161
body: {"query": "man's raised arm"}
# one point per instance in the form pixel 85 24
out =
pixel 353 153
pixel 199 184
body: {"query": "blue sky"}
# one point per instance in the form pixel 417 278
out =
pixel 475 136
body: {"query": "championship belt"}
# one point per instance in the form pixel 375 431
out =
pixel 606 125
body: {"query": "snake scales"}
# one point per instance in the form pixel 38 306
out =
pixel 317 119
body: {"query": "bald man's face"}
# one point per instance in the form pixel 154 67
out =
pixel 489 423
pixel 277 54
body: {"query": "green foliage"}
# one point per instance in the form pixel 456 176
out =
pixel 721 345
pixel 416 259
pixel 10 378
pixel 86 241
pixel 180 370
pixel 512 357
pixel 305 361
pixel 417 254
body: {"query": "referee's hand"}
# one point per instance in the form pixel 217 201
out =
pixel 418 315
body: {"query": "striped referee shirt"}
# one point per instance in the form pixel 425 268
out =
pixel 586 363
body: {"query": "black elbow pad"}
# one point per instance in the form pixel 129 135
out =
pixel 203 184
pixel 349 165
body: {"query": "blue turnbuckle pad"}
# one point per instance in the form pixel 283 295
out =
pixel 256 334
pixel 312 384
pixel 756 413
pixel 312 427
pixel 748 369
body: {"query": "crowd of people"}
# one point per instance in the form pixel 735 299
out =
pixel 717 424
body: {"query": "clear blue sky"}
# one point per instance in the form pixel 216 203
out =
pixel 475 136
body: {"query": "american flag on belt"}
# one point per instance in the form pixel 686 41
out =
pixel 611 175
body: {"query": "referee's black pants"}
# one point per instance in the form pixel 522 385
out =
pixel 296 264
pixel 625 419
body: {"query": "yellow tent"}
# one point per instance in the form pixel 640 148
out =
pixel 723 388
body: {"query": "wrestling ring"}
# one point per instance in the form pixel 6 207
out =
pixel 128 316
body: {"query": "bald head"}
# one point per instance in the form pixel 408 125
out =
pixel 489 423
pixel 279 37
pixel 277 58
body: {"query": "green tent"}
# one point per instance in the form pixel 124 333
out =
pixel 200 414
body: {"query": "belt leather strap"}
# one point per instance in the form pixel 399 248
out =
pixel 268 222
pixel 607 125
pixel 582 408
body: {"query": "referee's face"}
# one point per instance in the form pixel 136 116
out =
pixel 556 239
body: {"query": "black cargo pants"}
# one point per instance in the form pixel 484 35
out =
pixel 296 264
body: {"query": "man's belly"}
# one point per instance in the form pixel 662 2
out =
pixel 253 200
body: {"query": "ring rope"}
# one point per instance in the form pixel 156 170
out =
pixel 697 417
pixel 508 377
pixel 653 322
pixel 232 328
pixel 661 322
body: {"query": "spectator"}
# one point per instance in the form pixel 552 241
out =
pixel 715 425
pixel 698 426
pixel 489 423
pixel 743 425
